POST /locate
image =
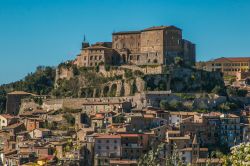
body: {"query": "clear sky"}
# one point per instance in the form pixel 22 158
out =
pixel 47 32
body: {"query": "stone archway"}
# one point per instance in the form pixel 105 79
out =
pixel 105 91
pixel 124 58
pixel 113 90
pixel 97 93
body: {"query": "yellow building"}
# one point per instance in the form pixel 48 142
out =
pixel 228 66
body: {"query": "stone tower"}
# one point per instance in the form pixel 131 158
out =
pixel 195 149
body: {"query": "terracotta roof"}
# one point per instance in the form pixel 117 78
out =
pixel 173 131
pixel 148 116
pixel 190 149
pixel 229 116
pixel 10 152
pixel 98 118
pixel 179 138
pixel 232 59
pixel 20 93
pixel 13 126
pixel 42 129
pixel 7 116
pixel 106 136
pixel 130 135
pixel 212 114
pixel 123 162
pixel 102 103
pixel 207 160
pixel 183 113
pixel 48 157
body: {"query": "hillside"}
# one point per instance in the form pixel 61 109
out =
pixel 40 82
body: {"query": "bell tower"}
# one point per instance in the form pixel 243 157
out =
pixel 195 149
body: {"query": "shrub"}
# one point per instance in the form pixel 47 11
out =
pixel 138 73
pixel 236 92
pixel 69 118
pixel 107 67
pixel 128 73
pixel 219 90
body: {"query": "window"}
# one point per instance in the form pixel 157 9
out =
pixel 99 147
pixel 115 147
pixel 91 57
pixel 115 141
pixel 99 141
pixel 100 57
pixel 107 141
pixel 138 57
pixel 107 147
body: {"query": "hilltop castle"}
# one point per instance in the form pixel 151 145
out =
pixel 152 46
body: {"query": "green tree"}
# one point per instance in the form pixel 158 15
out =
pixel 239 156
pixel 164 104
pixel 178 61
pixel 2 101
pixel 155 157
pixel 69 118
pixel 219 90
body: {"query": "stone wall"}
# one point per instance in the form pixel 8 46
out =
pixel 52 104
pixel 152 43
pixel 146 69
pixel 130 41
pixel 64 73
pixel 28 104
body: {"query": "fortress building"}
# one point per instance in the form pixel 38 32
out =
pixel 152 46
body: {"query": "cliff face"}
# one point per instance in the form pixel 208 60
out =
pixel 124 81
pixel 191 80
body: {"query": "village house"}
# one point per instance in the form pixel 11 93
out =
pixel 40 133
pixel 6 119
pixel 133 145
pixel 229 66
pixel 106 147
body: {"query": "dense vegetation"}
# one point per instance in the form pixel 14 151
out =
pixel 239 156
pixel 40 82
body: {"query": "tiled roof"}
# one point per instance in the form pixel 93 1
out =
pixel 183 113
pixel 200 149
pixel 106 136
pixel 212 114
pixel 160 28
pixel 130 135
pixel 173 131
pixel 126 32
pixel 13 126
pixel 96 47
pixel 209 160
pixel 232 59
pixel 19 93
pixel 123 162
pixel 179 138
pixel 7 116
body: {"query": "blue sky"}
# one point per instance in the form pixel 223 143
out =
pixel 47 32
